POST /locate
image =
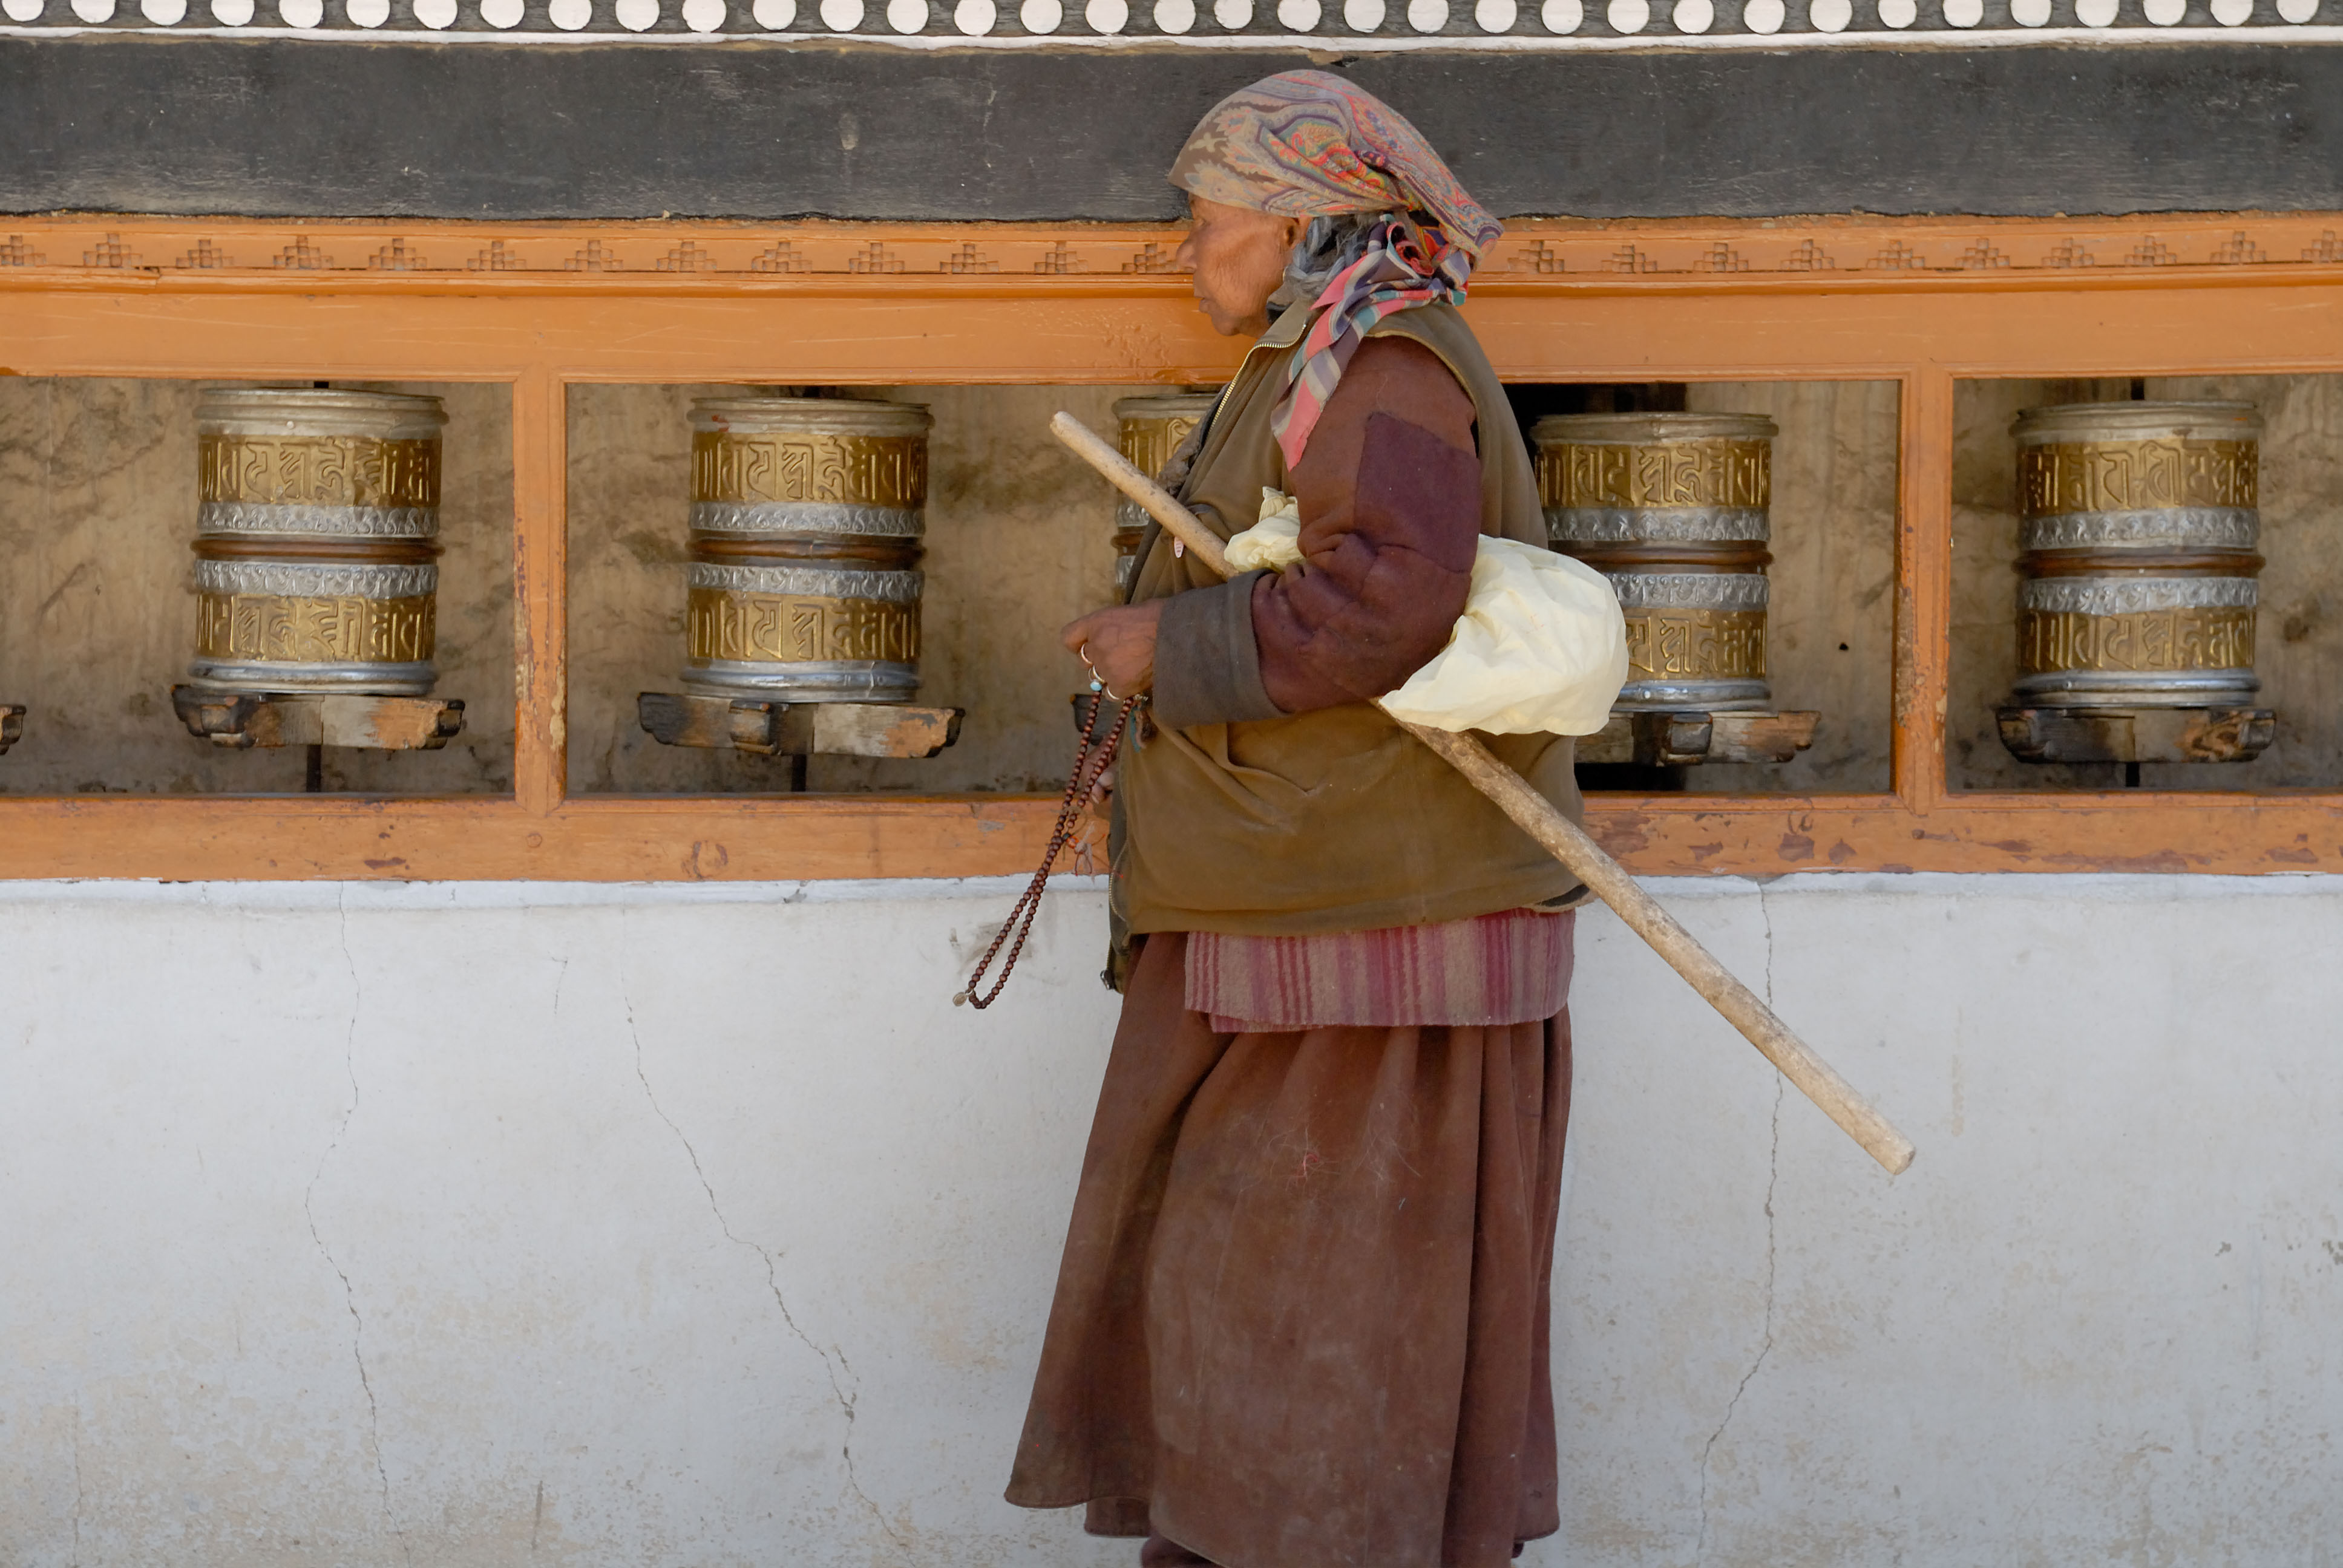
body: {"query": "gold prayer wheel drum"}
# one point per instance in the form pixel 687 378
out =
pixel 2138 524
pixel 1673 509
pixel 313 541
pixel 805 519
pixel 1152 431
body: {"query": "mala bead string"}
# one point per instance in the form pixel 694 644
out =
pixel 1092 760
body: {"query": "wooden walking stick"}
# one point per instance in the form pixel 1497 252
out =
pixel 1562 839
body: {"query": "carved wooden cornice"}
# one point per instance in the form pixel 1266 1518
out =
pixel 1536 254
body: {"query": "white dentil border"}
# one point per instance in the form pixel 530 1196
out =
pixel 1364 26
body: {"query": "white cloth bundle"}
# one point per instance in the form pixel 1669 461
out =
pixel 1540 647
pixel 1275 541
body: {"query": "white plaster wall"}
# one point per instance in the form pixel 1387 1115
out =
pixel 497 1224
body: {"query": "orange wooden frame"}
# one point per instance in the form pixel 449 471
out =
pixel 539 307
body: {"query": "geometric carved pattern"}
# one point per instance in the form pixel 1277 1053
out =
pixel 1565 254
pixel 1154 257
pixel 1540 258
pixel 396 257
pixel 1721 257
pixel 594 257
pixel 301 256
pixel 2237 250
pixel 968 258
pixel 1807 257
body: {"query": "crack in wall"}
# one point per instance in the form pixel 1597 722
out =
pixel 308 1209
pixel 833 1359
pixel 1773 1176
pixel 80 1495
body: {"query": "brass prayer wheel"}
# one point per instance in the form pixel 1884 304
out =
pixel 1152 431
pixel 313 541
pixel 805 519
pixel 1673 508
pixel 2138 525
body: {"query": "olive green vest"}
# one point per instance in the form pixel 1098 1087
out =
pixel 1336 819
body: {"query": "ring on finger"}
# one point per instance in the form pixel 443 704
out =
pixel 1097 681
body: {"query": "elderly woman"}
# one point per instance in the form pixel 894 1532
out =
pixel 1302 1314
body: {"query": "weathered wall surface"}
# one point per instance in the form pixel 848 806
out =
pixel 1830 632
pixel 97 610
pixel 688 1225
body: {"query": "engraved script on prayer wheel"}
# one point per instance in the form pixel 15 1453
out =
pixel 805 519
pixel 1152 431
pixel 313 541
pixel 2138 526
pixel 1673 508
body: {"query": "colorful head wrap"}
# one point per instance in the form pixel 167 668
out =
pixel 1309 143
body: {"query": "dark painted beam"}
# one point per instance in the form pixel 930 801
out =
pixel 292 127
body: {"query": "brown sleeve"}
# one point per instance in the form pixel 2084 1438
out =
pixel 1207 666
pixel 1390 495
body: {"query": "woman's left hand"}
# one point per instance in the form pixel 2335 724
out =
pixel 1119 645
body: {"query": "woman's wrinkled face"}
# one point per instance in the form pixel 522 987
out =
pixel 1238 257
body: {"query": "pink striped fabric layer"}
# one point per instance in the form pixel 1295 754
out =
pixel 1513 966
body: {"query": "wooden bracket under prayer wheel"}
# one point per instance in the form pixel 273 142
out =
pixel 12 724
pixel 247 720
pixel 2136 734
pixel 1686 737
pixel 798 728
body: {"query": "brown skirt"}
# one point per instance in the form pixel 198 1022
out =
pixel 1301 1321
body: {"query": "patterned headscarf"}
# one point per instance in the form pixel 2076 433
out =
pixel 1309 143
